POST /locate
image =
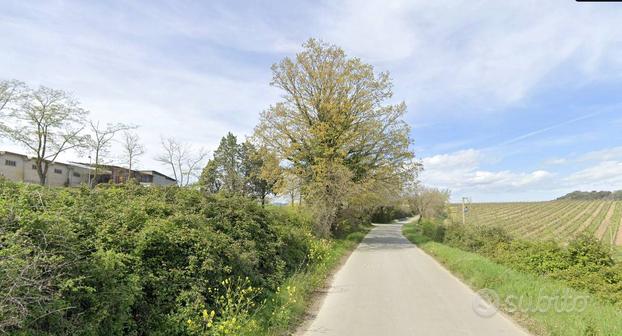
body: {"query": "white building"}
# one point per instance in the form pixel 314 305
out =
pixel 19 167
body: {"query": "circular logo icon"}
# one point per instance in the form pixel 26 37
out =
pixel 485 302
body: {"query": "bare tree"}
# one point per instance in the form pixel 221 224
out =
pixel 101 140
pixel 10 90
pixel 132 149
pixel 47 122
pixel 428 202
pixel 184 161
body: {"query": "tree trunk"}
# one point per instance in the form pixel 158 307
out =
pixel 129 171
pixel 42 171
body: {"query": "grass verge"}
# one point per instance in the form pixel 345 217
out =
pixel 284 310
pixel 527 298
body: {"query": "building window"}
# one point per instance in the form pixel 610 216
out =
pixel 34 167
pixel 10 163
pixel 76 174
pixel 58 171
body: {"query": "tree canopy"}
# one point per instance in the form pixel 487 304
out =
pixel 337 129
pixel 45 121
pixel 242 169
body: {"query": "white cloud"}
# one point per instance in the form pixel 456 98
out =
pixel 464 159
pixel 606 175
pixel 607 154
pixel 460 171
pixel 492 52
pixel 555 161
pixel 121 69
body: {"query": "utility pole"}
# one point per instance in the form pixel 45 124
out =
pixel 464 209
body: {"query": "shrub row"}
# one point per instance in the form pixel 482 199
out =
pixel 584 263
pixel 385 214
pixel 135 261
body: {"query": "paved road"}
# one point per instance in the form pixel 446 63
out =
pixel 390 287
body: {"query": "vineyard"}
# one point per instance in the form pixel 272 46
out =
pixel 561 220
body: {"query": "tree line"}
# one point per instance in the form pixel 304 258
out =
pixel 593 195
pixel 335 143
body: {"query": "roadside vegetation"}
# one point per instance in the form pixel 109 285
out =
pixel 209 256
pixel 158 261
pixel 524 273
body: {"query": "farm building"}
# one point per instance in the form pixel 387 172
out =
pixel 22 168
pixel 116 174
pixel 19 167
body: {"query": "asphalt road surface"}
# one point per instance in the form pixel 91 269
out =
pixel 390 287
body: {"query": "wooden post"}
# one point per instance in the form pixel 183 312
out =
pixel 463 210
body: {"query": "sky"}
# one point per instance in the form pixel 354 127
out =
pixel 507 100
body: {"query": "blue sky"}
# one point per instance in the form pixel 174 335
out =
pixel 508 100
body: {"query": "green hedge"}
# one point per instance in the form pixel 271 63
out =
pixel 136 261
pixel 386 214
pixel 584 263
pixel 543 305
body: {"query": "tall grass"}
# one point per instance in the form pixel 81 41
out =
pixel 284 310
pixel 595 318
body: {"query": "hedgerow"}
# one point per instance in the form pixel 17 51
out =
pixel 584 263
pixel 135 261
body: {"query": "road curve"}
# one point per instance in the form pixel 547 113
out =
pixel 388 286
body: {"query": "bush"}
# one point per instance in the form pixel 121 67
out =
pixel 584 264
pixel 386 214
pixel 433 230
pixel 132 260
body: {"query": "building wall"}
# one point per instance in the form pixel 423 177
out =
pixel 23 171
pixel 30 174
pixel 12 173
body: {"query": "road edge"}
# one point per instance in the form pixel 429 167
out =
pixel 319 295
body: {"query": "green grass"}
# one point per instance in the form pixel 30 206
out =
pixel 598 318
pixel 284 310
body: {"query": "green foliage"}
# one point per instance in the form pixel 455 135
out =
pixel 521 292
pixel 339 132
pixel 240 169
pixel 385 214
pixel 128 260
pixel 584 264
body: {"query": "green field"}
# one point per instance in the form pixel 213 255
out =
pixel 561 220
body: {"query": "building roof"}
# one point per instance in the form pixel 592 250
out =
pixel 152 172
pixel 12 153
pixel 72 164
pixel 146 172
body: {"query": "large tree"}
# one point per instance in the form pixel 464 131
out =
pixel 47 122
pixel 228 159
pixel 241 168
pixel 336 127
pixel 427 202
pixel 132 150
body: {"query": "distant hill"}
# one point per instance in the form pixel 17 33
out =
pixel 593 195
